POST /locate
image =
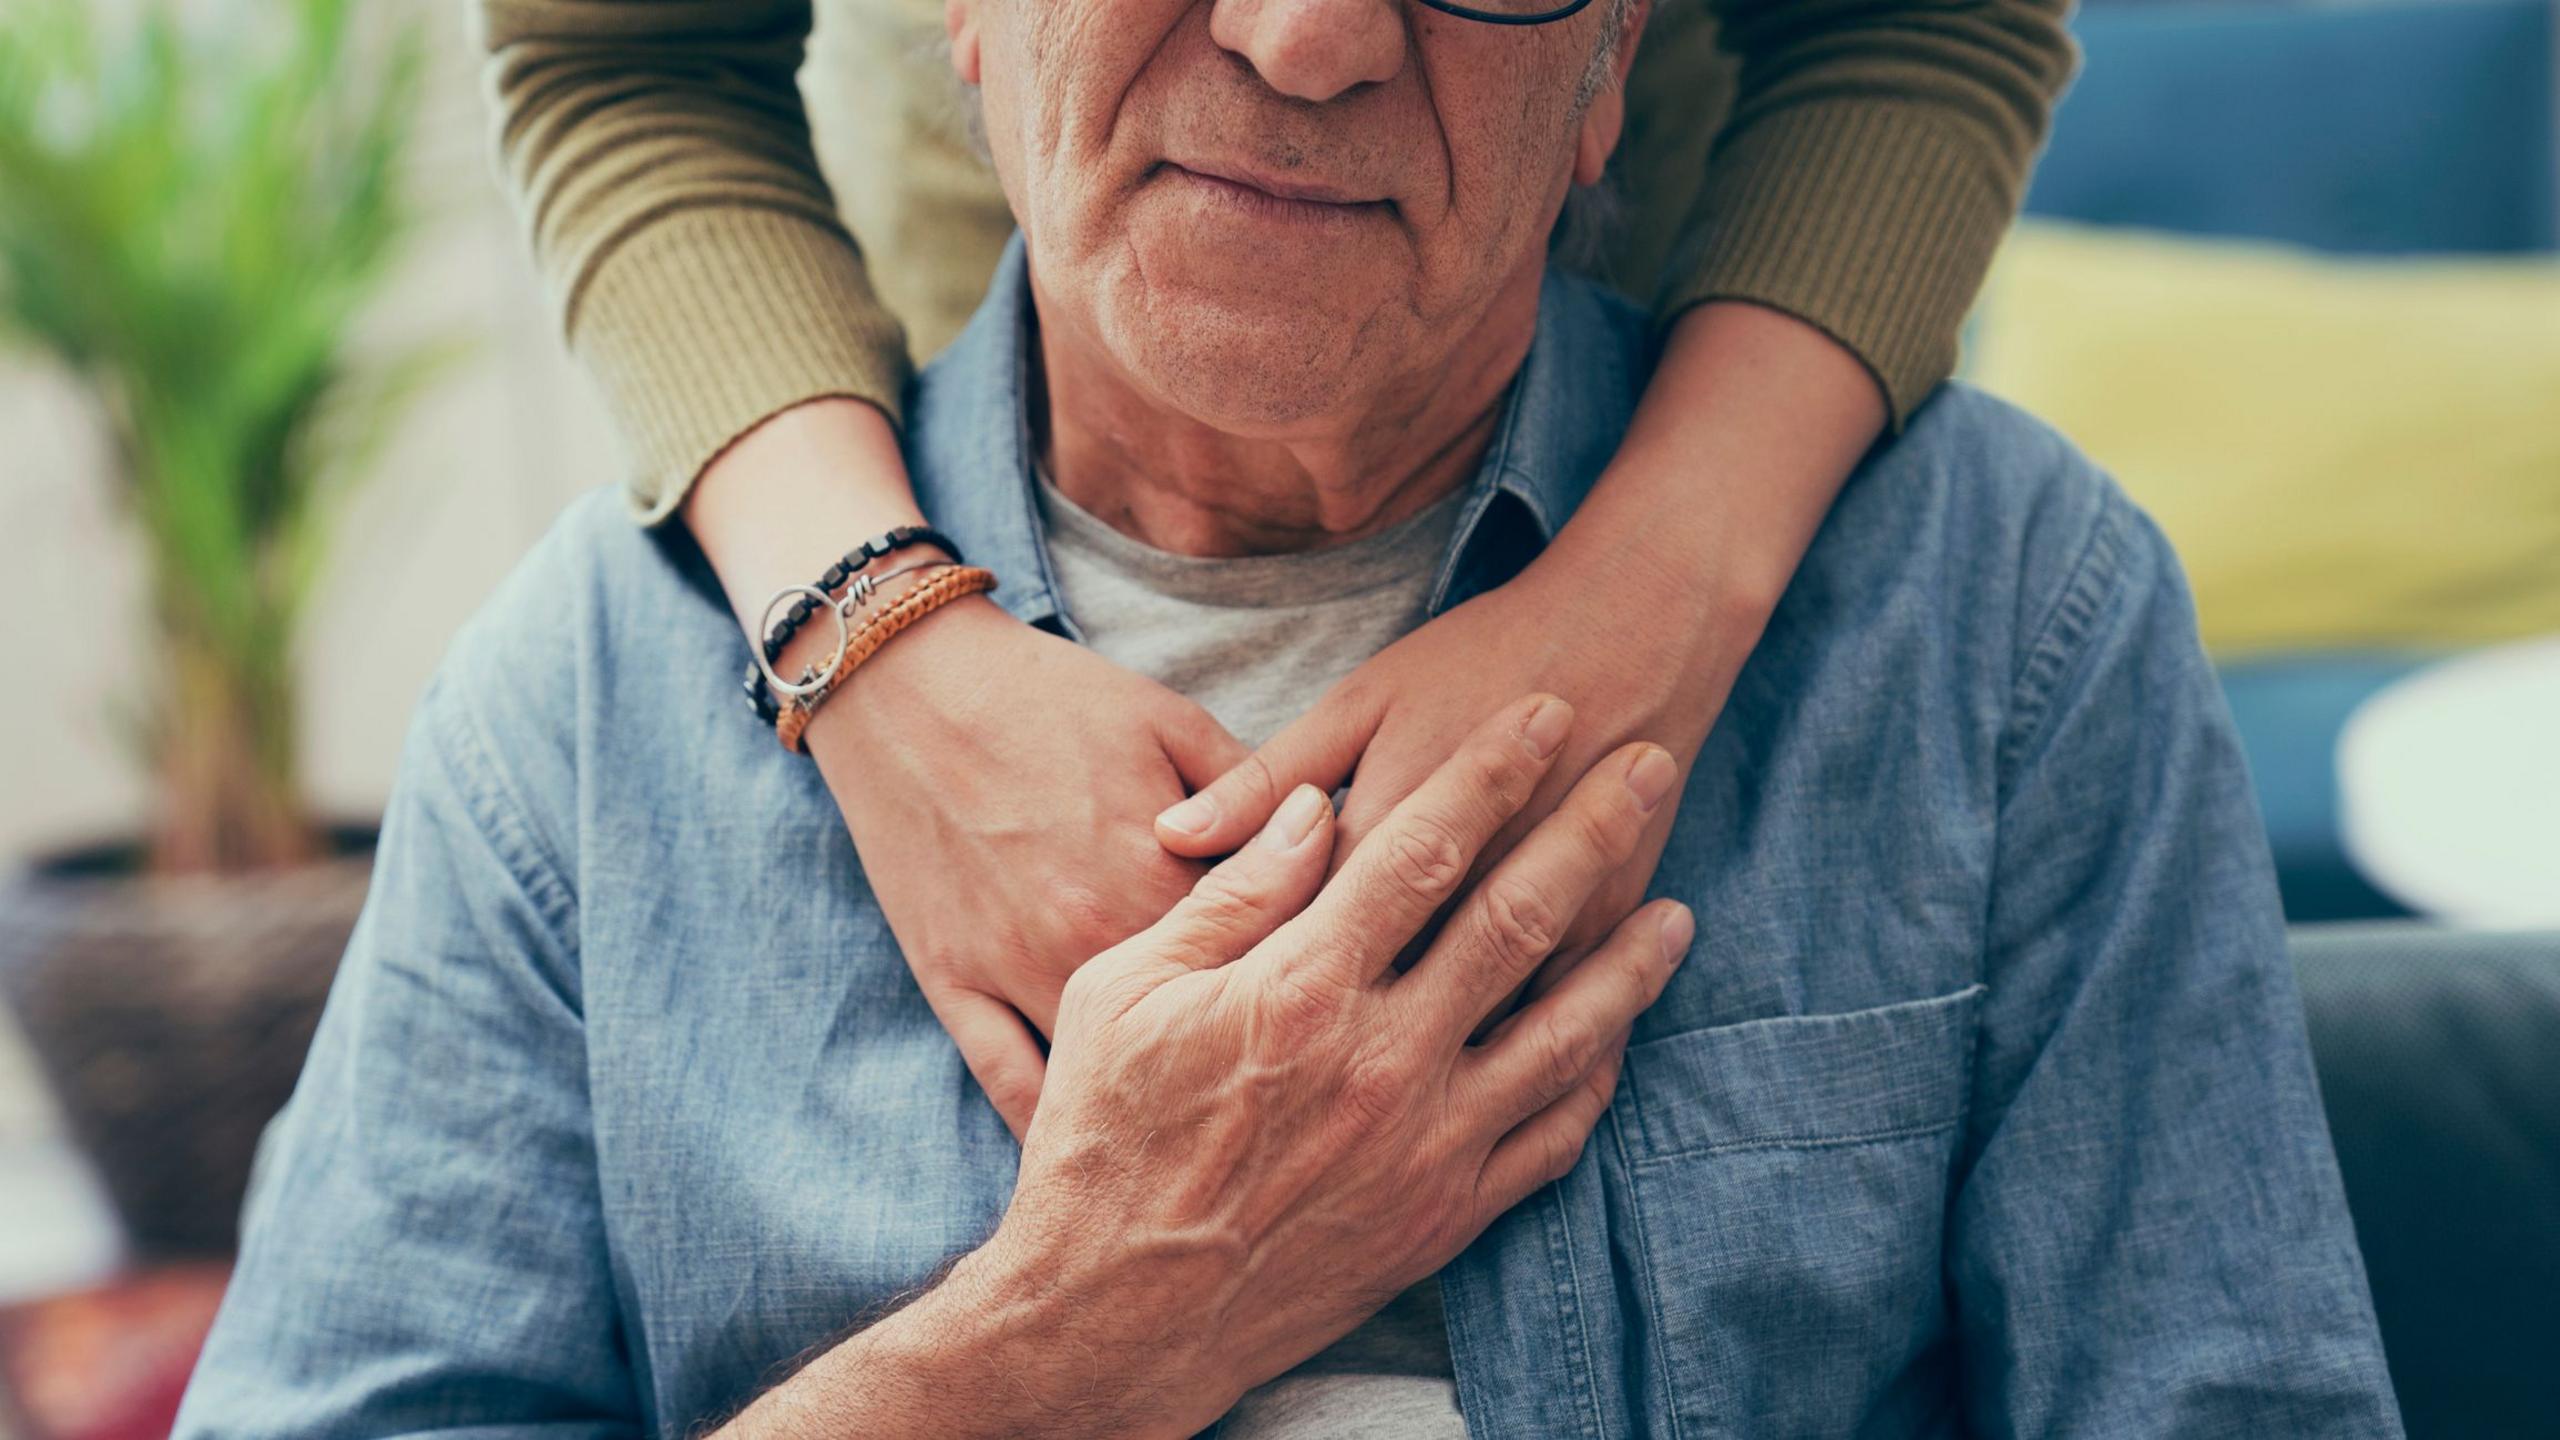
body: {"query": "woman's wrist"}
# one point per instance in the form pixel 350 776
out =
pixel 1752 422
pixel 790 496
pixel 787 499
pixel 937 585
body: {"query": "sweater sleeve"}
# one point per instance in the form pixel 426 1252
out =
pixel 658 156
pixel 1876 152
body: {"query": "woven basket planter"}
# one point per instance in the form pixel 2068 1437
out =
pixel 170 1017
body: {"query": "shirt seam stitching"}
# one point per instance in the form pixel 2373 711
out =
pixel 1490 481
pixel 1652 1276
pixel 1828 1142
pixel 2062 638
pixel 499 810
pixel 1560 1233
pixel 1050 601
pixel 460 736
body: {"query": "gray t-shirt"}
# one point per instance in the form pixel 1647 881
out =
pixel 1256 641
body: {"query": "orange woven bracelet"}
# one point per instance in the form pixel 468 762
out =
pixel 916 603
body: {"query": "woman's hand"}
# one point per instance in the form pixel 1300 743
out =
pixel 1640 612
pixel 999 782
pixel 1633 670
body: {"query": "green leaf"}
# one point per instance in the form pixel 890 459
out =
pixel 192 220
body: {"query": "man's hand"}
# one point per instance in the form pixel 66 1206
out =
pixel 1256 1130
pixel 1261 1153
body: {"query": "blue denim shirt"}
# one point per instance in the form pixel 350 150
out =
pixel 1982 1106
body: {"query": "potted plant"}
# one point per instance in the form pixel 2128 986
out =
pixel 192 219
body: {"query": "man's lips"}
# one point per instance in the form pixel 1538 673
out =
pixel 1252 183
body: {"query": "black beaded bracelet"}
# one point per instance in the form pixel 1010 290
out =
pixel 760 697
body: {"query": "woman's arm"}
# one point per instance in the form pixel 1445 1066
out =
pixel 659 155
pixel 1876 152
pixel 1752 421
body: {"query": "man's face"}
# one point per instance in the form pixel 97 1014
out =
pixel 1263 210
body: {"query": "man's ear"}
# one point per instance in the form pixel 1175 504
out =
pixel 960 21
pixel 1607 115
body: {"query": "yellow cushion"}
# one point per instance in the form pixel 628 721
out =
pixel 2346 452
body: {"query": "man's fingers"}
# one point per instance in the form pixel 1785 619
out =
pixel 1411 864
pixel 1544 1149
pixel 1541 1053
pixel 1513 918
pixel 1378 786
pixel 1247 895
pixel 1318 748
pixel 1000 1050
pixel 1556 1062
pixel 1200 748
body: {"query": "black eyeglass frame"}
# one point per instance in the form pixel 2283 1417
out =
pixel 1495 17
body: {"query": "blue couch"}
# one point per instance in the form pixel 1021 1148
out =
pixel 2390 128
pixel 2372 128
pixel 2439 1056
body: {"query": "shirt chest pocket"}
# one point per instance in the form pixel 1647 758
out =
pixel 1782 1207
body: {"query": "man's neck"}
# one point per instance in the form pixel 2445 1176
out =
pixel 1178 484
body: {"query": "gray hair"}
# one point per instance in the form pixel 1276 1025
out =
pixel 1593 214
pixel 1603 69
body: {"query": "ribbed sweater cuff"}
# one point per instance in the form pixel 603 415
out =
pixel 706 321
pixel 1867 219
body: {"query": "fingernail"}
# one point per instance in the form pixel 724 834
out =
pixel 1649 779
pixel 1295 819
pixel 1678 928
pixel 1546 728
pixel 1190 817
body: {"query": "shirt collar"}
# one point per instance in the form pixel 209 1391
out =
pixel 969 441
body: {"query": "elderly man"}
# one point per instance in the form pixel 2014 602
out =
pixel 1980 1102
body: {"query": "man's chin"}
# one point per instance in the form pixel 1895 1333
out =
pixel 1246 359
pixel 1343 272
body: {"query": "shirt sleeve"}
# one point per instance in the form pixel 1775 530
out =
pixel 1876 152
pixel 659 157
pixel 425 1254
pixel 2148 1234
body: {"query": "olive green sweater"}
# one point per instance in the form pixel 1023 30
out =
pixel 1850 162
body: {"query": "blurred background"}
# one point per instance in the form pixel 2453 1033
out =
pixel 281 402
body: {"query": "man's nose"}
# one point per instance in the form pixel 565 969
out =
pixel 1313 49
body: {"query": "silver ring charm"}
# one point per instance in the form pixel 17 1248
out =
pixel 764 626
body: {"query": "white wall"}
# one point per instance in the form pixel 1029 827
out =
pixel 476 473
